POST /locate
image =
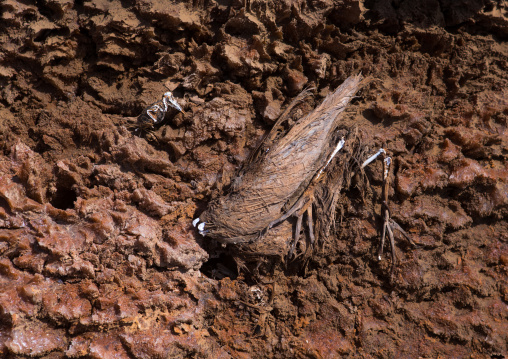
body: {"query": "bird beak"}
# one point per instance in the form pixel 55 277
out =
pixel 175 105
pixel 168 96
pixel 200 225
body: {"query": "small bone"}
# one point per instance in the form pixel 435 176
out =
pixel 195 222
pixel 337 149
pixel 309 224
pixel 392 246
pixel 387 162
pixel 373 157
pixel 383 236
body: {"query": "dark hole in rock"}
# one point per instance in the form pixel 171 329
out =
pixel 43 35
pixel 64 198
pixel 5 205
pixel 221 267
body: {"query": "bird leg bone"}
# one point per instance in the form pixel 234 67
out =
pixel 304 205
pixel 337 149
pixel 373 157
pixel 389 225
pixel 296 235
pixel 298 209
pixel 300 212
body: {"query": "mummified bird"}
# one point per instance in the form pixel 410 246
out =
pixel 287 177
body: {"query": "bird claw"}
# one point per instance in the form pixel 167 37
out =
pixel 389 225
pixel 296 236
pixel 403 232
pixel 310 226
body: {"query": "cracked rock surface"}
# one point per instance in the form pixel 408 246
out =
pixel 98 257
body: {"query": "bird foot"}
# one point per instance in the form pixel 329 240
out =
pixel 389 225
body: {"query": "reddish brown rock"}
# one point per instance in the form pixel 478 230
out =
pixel 151 202
pixel 269 108
pixel 417 180
pixel 36 340
pixel 468 171
pixel 295 80
pixel 449 213
pixel 98 257
pixel 449 151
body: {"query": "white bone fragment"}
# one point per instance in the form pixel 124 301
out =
pixel 337 149
pixel 373 157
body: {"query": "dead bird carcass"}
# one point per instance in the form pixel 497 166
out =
pixel 292 173
pixel 286 178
